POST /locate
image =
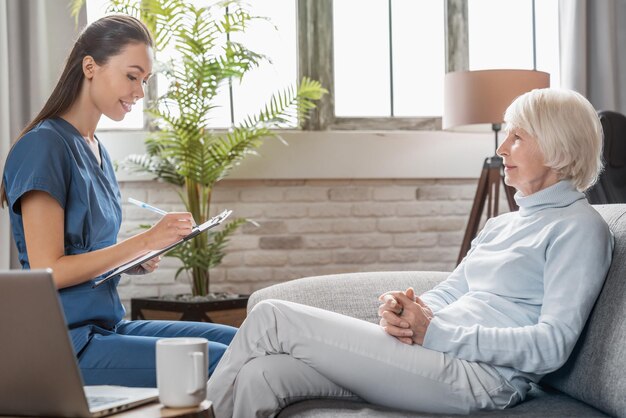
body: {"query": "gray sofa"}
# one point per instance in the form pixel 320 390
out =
pixel 591 384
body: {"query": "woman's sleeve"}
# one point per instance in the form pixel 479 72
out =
pixel 38 161
pixel 577 262
pixel 447 291
pixel 455 285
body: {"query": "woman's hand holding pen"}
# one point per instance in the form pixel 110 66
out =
pixel 171 228
pixel 404 316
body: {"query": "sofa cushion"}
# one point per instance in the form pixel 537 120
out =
pixel 539 404
pixel 594 373
pixel 352 294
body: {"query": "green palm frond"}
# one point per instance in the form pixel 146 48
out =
pixel 204 257
pixel 220 239
pixel 75 7
pixel 160 168
pixel 287 105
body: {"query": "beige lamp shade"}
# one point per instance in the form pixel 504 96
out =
pixel 481 97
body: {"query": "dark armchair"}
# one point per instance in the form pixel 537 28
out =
pixel 611 187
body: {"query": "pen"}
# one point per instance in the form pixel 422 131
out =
pixel 146 206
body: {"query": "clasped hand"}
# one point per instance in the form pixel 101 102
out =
pixel 404 316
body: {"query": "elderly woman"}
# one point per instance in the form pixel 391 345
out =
pixel 510 313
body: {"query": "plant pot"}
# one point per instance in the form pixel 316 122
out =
pixel 229 311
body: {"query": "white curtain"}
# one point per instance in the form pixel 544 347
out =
pixel 35 38
pixel 5 132
pixel 593 56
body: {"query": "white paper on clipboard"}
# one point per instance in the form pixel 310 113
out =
pixel 211 223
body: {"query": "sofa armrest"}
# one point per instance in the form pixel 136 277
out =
pixel 352 294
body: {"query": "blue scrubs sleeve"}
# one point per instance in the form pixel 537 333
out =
pixel 38 161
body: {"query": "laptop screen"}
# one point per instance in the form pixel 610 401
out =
pixel 40 376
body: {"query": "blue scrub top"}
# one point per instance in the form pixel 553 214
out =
pixel 53 157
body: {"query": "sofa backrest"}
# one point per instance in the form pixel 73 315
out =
pixel 595 372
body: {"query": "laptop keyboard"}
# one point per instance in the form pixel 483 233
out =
pixel 98 401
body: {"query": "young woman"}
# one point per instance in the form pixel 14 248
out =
pixel 510 313
pixel 64 204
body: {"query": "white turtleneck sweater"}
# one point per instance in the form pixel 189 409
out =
pixel 521 297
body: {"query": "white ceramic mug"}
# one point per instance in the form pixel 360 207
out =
pixel 182 371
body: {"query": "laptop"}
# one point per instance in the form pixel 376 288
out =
pixel 39 375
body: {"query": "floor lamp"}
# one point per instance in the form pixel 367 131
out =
pixel 476 101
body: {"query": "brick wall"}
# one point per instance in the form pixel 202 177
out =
pixel 315 227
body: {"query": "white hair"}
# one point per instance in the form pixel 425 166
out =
pixel 567 129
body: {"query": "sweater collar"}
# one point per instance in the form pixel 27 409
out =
pixel 558 195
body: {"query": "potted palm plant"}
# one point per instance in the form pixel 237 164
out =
pixel 181 149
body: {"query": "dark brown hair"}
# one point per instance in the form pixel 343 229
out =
pixel 103 39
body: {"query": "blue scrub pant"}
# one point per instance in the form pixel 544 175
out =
pixel 127 356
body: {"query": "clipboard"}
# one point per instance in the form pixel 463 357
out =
pixel 197 230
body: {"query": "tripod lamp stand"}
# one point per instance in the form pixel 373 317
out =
pixel 475 101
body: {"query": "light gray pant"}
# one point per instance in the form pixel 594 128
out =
pixel 287 352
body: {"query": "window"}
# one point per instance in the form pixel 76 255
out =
pixel 389 64
pixel 390 60
pixel 275 38
pixel 384 61
pixel 500 35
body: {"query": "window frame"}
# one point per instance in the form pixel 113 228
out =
pixel 315 60
pixel 363 139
